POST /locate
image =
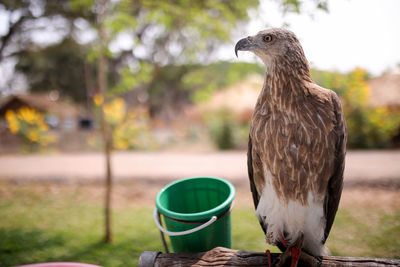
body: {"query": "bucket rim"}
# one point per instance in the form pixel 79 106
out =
pixel 197 216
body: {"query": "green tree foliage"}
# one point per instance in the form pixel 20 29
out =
pixel 167 94
pixel 203 81
pixel 179 85
pixel 333 80
pixel 25 18
pixel 60 67
pixel 162 34
pixel 296 6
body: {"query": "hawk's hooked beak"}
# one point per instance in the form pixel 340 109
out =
pixel 245 44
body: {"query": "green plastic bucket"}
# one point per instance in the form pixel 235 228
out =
pixel 196 213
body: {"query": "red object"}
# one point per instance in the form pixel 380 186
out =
pixel 283 241
pixel 269 258
pixel 295 256
pixel 59 264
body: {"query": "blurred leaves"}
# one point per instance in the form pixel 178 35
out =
pixel 297 6
pixel 120 21
pixel 193 27
pixel 59 67
pixel 203 81
pixel 162 33
pixel 132 78
pixel 177 86
pixel 81 4
pixel 368 127
pixel 130 127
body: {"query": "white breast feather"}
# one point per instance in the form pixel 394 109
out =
pixel 292 218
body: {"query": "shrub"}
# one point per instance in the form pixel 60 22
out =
pixel 225 130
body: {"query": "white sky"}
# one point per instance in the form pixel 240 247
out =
pixel 355 33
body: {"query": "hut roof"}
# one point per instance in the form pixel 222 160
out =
pixel 385 91
pixel 40 102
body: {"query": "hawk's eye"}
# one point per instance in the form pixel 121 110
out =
pixel 268 38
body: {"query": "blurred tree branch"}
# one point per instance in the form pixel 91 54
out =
pixel 14 27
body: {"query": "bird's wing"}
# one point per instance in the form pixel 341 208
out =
pixel 335 183
pixel 256 197
pixel 257 180
pixel 254 168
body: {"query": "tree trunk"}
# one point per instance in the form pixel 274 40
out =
pixel 106 133
pixel 108 187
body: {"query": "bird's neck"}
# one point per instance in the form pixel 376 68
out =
pixel 285 81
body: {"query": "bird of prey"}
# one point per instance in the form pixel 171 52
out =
pixel 296 150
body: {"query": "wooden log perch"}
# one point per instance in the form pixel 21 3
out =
pixel 228 257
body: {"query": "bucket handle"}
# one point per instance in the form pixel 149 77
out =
pixel 186 232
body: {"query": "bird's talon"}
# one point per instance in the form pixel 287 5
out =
pixel 295 253
pixel 269 257
pixel 283 241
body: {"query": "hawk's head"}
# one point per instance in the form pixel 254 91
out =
pixel 273 45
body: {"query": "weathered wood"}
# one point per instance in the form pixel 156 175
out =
pixel 227 257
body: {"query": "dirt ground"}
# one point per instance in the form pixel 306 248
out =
pixel 378 168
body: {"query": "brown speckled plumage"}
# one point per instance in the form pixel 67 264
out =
pixel 297 132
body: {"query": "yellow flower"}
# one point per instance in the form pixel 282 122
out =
pixel 98 99
pixel 121 144
pixel 115 111
pixel 13 123
pixel 33 136
pixel 29 115
pixel 10 115
pixel 30 125
pixel 14 126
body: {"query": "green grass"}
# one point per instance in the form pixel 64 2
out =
pixel 68 226
pixel 365 233
pixel 63 228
